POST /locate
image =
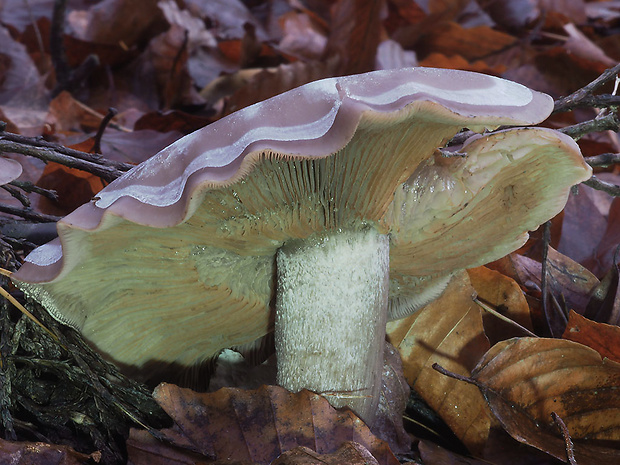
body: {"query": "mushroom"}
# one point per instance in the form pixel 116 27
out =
pixel 328 205
pixel 9 170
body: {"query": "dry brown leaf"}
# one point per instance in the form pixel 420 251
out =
pixel 526 379
pixel 253 426
pixel 432 454
pixel 74 188
pixel 583 225
pixel 439 60
pixel 39 453
pixel 355 33
pixel 505 296
pixel 351 453
pixel 66 114
pixel 448 332
pixel 603 338
pixel 270 82
pixel 602 262
pixel 471 43
pixel 570 283
pixel 118 22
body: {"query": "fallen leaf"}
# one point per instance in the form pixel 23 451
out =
pixel 602 261
pixel 603 338
pixel 604 304
pixel 449 332
pixel 30 453
pixel 438 60
pixel 470 43
pixel 569 283
pixel 506 297
pixel 526 379
pixel 432 454
pixel 354 36
pixel 73 187
pixel 131 24
pixel 350 453
pixel 253 426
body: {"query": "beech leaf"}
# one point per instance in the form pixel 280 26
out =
pixel 526 379
pixel 448 332
pixel 253 426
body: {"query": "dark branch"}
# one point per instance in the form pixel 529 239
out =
pixel 600 185
pixel 608 122
pixel 28 214
pixel 569 102
pixel 48 154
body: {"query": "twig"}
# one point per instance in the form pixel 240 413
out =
pixel 29 187
pixel 594 101
pixel 112 112
pixel 570 448
pixel 603 160
pixel 544 282
pixel 16 194
pixel 40 143
pixel 608 122
pixel 495 313
pixel 437 367
pixel 48 154
pixel 28 214
pixel 567 103
pixel 57 50
pixel 600 185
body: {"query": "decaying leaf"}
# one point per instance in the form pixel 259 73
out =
pixel 603 338
pixel 506 297
pixel 449 332
pixel 29 453
pixel 351 453
pixel 526 379
pixel 252 426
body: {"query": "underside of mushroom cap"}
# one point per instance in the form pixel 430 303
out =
pixel 476 206
pixel 219 203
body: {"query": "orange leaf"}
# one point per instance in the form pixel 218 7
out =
pixel 603 338
pixel 505 295
pixel 449 332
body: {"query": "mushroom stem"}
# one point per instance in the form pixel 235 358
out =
pixel 330 321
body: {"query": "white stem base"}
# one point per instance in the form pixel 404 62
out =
pixel 330 317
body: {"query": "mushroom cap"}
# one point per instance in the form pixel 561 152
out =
pixel 9 170
pixel 174 261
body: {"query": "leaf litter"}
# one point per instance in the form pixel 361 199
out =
pixel 158 66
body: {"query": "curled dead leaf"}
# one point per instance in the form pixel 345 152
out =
pixel 526 379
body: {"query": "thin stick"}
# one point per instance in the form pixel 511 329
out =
pixel 22 309
pixel 495 313
pixel 570 448
pixel 564 104
pixel 544 282
pixel 603 160
pixel 28 214
pixel 600 185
